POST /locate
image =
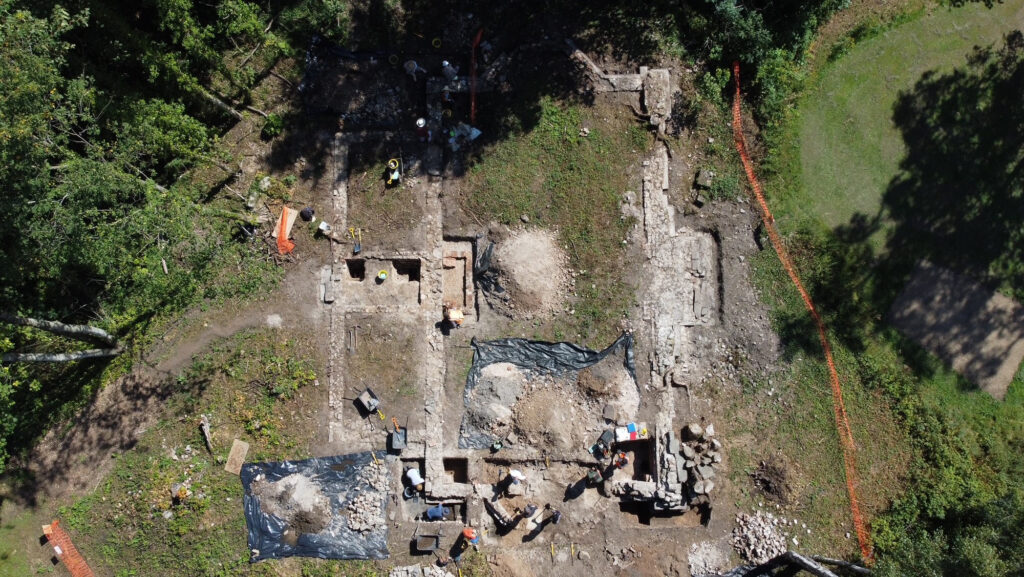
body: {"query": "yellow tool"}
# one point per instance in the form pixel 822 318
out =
pixel 552 552
pixel 380 414
pixel 572 551
pixel 374 455
pixel 351 232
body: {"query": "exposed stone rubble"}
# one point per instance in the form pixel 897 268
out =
pixel 417 571
pixel 761 536
pixel 687 468
pixel 706 558
pixel 365 511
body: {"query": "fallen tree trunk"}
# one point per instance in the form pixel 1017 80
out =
pixel 59 328
pixel 60 357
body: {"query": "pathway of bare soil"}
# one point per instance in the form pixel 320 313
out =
pixel 977 331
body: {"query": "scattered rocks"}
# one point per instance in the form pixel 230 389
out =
pixel 706 559
pixel 417 571
pixel 760 537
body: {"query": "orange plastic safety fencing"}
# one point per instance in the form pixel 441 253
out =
pixel 284 246
pixel 472 76
pixel 842 420
pixel 66 551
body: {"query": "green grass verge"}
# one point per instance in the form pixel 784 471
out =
pixel 953 506
pixel 251 386
pixel 850 149
pixel 572 184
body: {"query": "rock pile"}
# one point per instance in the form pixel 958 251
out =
pixel 417 571
pixel 687 468
pixel 366 511
pixel 759 537
pixel 706 559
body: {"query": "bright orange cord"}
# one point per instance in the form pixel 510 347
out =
pixel 472 76
pixel 842 421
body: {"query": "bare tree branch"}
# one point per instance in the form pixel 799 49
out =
pixel 73 331
pixel 60 357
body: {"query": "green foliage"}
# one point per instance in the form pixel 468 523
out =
pixel 327 568
pixel 725 187
pixel 13 379
pixel 769 41
pixel 272 127
pixel 98 202
pixel 328 18
pixel 159 138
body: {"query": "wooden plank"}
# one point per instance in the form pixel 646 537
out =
pixel 292 215
pixel 239 449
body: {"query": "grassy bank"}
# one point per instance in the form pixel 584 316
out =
pixel 850 148
pixel 874 171
pixel 256 387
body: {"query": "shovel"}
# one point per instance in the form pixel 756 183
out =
pixel 359 242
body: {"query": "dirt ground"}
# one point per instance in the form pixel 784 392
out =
pixel 978 331
pixel 397 349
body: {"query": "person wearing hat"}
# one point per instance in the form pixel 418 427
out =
pixel 412 68
pixel 422 132
pixel 449 71
pixel 468 538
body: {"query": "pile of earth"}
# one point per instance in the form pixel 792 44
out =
pixel 296 500
pixel 561 411
pixel 533 271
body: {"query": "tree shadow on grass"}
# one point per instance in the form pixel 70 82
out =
pixel 959 198
pixel 958 201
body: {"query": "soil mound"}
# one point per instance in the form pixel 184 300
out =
pixel 532 268
pixel 297 500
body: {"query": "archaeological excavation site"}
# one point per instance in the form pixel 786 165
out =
pixel 443 288
pixel 451 428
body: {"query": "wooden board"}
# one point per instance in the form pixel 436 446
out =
pixel 239 449
pixel 292 215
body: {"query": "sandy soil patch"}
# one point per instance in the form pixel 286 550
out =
pixel 532 267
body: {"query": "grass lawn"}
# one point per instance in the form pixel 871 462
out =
pixel 573 184
pixel 850 149
pixel 928 441
pixel 256 386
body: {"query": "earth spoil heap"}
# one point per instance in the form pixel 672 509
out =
pixel 295 499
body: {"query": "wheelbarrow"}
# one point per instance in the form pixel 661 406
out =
pixel 425 543
pixel 369 401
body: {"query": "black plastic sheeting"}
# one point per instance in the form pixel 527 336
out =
pixel 338 479
pixel 484 276
pixel 539 356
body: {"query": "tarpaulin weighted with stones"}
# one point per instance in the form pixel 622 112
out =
pixel 536 356
pixel 337 479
